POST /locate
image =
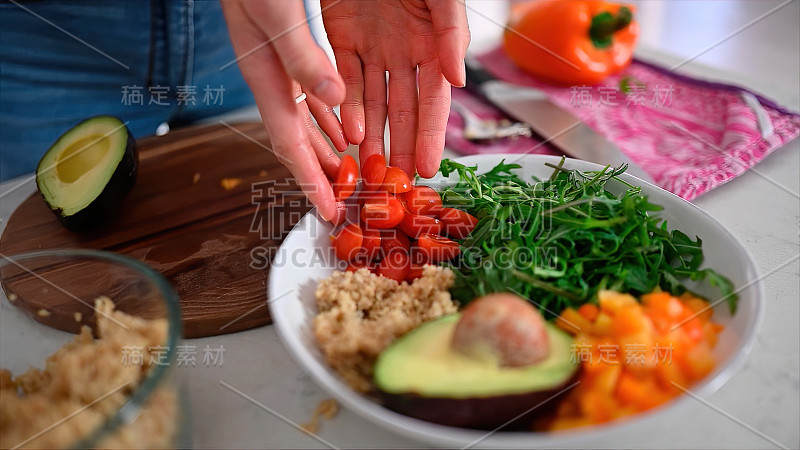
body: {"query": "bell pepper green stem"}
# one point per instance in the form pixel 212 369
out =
pixel 605 24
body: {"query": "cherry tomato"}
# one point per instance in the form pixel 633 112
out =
pixel 403 202
pixel 423 200
pixel 393 241
pixel 414 272
pixel 347 242
pixel 414 225
pixel 365 194
pixel 438 248
pixel 373 171
pixel 371 245
pixel 457 223
pixel 395 265
pixel 396 181
pixel 346 178
pixel 382 210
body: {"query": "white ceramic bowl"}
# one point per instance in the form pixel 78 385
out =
pixel 305 258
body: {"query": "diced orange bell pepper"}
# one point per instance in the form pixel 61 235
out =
pixel 667 371
pixel 691 326
pixel 699 307
pixel 635 356
pixel 699 361
pixel 610 301
pixel 589 311
pixel 597 406
pixel 572 322
pixel 631 389
pixel 603 325
pixel 663 304
pixel 605 380
pixel 629 320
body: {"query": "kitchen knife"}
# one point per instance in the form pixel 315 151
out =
pixel 556 126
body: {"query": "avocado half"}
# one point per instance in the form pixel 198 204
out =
pixel 421 376
pixel 87 171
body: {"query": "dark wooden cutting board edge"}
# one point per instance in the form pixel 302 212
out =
pixel 197 233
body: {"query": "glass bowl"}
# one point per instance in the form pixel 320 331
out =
pixel 58 288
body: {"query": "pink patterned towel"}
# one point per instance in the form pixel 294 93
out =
pixel 690 135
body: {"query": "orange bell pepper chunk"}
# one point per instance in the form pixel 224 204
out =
pixel 598 407
pixel 630 389
pixel 589 311
pixel 699 307
pixel 572 322
pixel 635 356
pixel 629 320
pixel 571 42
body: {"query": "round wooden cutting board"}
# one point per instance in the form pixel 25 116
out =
pixel 210 205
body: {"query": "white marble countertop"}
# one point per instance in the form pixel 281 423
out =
pixel 761 208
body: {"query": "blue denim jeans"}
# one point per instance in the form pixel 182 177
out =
pixel 145 61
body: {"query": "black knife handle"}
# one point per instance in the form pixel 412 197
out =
pixel 477 76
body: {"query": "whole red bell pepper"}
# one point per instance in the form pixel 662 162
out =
pixel 571 42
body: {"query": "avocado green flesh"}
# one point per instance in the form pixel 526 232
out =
pixel 76 169
pixel 423 363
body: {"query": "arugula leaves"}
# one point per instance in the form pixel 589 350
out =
pixel 559 241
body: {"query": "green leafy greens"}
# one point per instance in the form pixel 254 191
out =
pixel 559 241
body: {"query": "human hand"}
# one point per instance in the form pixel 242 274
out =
pixel 399 36
pixel 279 59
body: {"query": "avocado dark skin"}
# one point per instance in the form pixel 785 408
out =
pixel 515 411
pixel 108 203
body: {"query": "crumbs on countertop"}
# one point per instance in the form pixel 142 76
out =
pixel 326 409
pixel 230 183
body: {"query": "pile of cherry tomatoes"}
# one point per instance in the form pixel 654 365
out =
pixel 400 227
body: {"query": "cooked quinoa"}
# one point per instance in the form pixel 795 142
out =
pixel 361 313
pixel 87 375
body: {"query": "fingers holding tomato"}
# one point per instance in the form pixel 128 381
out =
pixel 373 171
pixel 396 181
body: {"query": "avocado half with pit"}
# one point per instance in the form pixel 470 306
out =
pixel 420 375
pixel 87 171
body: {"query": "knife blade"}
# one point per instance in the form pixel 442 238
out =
pixel 553 124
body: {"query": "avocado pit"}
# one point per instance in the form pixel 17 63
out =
pixel 502 327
